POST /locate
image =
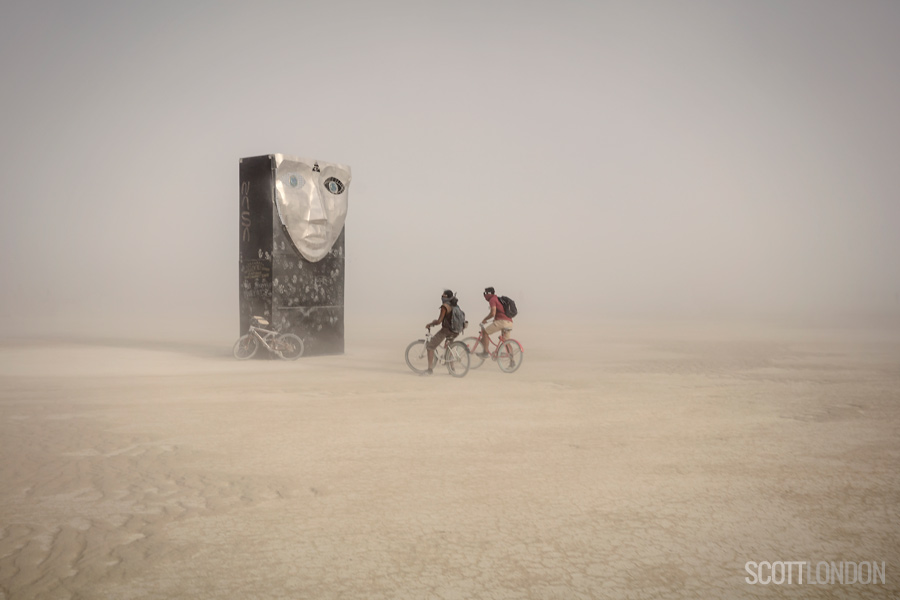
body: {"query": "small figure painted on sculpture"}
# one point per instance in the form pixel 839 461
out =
pixel 311 198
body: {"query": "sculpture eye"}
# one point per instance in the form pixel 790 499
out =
pixel 296 181
pixel 334 185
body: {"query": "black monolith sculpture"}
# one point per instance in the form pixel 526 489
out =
pixel 291 264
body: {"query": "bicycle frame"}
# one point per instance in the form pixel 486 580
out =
pixel 491 343
pixel 438 356
pixel 263 338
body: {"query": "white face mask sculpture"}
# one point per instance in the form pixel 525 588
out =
pixel 311 197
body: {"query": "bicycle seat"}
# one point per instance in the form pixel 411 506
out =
pixel 260 322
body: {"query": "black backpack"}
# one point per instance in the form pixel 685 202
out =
pixel 457 320
pixel 509 306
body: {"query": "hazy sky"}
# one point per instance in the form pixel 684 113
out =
pixel 614 157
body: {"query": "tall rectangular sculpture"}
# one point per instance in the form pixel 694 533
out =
pixel 291 263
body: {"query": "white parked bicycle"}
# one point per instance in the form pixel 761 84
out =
pixel 286 346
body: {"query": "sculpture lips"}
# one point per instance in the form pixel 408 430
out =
pixel 316 235
pixel 314 240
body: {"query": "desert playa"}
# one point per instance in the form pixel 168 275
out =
pixel 627 460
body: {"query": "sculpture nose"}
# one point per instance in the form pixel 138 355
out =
pixel 316 207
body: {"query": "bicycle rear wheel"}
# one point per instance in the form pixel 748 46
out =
pixel 472 344
pixel 510 355
pixel 457 359
pixel 289 346
pixel 245 347
pixel 417 356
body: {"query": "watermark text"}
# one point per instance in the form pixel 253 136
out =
pixel 806 572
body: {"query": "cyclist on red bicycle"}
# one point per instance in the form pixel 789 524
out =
pixel 448 301
pixel 501 323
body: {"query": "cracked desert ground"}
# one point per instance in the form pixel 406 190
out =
pixel 623 460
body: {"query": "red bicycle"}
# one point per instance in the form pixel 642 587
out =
pixel 508 353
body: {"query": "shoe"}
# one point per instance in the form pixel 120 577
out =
pixel 482 354
pixel 428 372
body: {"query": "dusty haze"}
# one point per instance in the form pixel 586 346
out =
pixel 699 159
pixel 694 205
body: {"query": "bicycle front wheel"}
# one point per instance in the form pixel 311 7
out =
pixel 457 359
pixel 417 356
pixel 245 347
pixel 510 355
pixel 472 344
pixel 289 346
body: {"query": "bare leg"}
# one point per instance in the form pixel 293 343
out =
pixel 504 335
pixel 484 340
pixel 430 359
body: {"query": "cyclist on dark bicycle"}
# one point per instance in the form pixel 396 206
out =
pixel 501 322
pixel 448 301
